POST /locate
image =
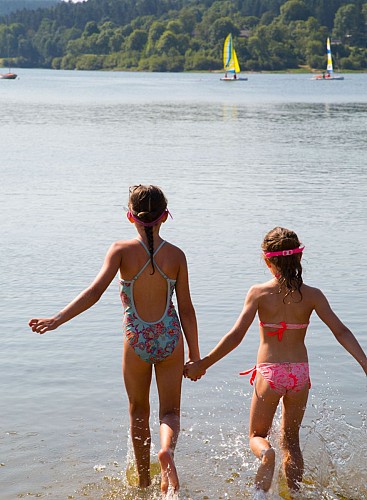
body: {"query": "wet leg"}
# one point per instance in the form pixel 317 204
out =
pixel 169 379
pixel 263 406
pixel 137 377
pixel 294 405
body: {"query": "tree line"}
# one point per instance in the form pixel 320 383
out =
pixel 8 6
pixel 186 35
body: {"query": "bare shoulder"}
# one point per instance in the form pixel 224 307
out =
pixel 123 247
pixel 311 293
pixel 258 290
pixel 261 289
pixel 175 252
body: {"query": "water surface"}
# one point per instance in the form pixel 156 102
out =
pixel 235 160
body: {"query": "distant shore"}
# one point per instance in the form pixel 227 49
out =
pixel 302 70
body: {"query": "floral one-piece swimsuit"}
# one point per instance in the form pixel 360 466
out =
pixel 152 341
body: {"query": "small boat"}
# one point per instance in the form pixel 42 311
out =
pixel 329 74
pixel 231 65
pixel 8 76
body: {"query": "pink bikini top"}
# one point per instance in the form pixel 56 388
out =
pixel 282 326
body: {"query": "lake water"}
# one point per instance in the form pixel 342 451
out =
pixel 234 160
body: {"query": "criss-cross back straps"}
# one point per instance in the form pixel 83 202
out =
pixel 148 261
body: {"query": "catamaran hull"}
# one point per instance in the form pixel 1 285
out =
pixel 234 79
pixel 8 76
pixel 328 78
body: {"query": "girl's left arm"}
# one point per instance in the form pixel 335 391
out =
pixel 342 334
pixel 186 311
pixel 231 340
pixel 87 298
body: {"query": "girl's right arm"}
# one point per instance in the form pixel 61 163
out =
pixel 230 341
pixel 186 311
pixel 85 299
pixel 342 334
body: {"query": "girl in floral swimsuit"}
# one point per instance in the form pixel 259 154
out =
pixel 150 269
pixel 284 305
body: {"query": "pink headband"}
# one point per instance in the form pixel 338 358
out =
pixel 149 224
pixel 284 253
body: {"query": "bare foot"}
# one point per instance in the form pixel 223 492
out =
pixel 265 472
pixel 168 471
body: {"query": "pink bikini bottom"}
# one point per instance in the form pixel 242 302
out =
pixel 282 377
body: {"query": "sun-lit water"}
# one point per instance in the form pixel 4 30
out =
pixel 234 160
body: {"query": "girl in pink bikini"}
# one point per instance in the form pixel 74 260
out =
pixel 284 306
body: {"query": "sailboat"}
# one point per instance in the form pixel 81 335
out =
pixel 329 74
pixel 230 61
pixel 8 76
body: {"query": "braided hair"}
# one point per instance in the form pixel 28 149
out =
pixel 147 203
pixel 290 268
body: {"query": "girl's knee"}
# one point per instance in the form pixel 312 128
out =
pixel 172 413
pixel 258 435
pixel 139 411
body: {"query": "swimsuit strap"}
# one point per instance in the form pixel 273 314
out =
pixel 289 326
pixel 148 261
pixel 296 326
pixel 146 249
pixel 281 327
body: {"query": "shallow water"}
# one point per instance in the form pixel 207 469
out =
pixel 234 160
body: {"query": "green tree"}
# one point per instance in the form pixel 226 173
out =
pixel 221 28
pixel 313 51
pixel 294 10
pixel 89 62
pixel 166 42
pixel 346 24
pixel 116 40
pixel 156 30
pixel 137 40
pixel 68 62
pixel 90 28
pixel 158 63
pixel 175 26
pixel 188 17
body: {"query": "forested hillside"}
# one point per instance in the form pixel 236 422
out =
pixel 183 35
pixel 7 6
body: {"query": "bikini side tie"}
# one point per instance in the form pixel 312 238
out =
pixel 253 376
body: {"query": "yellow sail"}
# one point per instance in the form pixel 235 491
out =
pixel 236 64
pixel 227 52
pixel 230 60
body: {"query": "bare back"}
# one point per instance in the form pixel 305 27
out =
pixel 150 289
pixel 292 311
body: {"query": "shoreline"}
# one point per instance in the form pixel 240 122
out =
pixel 301 70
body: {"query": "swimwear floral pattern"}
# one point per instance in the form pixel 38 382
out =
pixel 151 341
pixel 282 377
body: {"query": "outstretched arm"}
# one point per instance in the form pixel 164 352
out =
pixel 85 299
pixel 230 341
pixel 187 312
pixel 342 334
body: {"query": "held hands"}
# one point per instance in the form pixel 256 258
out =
pixel 43 325
pixel 194 370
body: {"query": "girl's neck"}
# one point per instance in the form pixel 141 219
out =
pixel 143 237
